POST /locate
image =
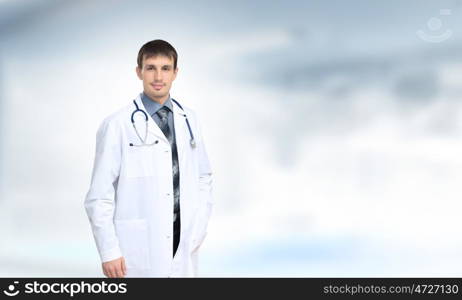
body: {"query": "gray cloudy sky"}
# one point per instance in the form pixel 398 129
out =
pixel 332 126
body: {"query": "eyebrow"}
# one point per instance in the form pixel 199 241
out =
pixel 169 66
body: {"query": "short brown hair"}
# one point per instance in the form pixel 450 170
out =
pixel 154 48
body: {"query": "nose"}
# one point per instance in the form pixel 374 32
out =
pixel 157 76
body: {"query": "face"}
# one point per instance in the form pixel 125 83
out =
pixel 157 75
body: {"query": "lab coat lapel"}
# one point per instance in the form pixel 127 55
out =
pixel 152 125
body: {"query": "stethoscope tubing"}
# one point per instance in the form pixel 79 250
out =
pixel 143 141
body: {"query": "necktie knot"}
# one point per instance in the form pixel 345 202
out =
pixel 163 112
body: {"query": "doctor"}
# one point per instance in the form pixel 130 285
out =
pixel 150 198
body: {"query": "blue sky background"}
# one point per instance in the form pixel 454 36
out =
pixel 334 130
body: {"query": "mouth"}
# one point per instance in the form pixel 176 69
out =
pixel 157 86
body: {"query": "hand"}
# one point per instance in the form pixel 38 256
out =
pixel 115 268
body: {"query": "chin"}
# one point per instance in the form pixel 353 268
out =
pixel 159 94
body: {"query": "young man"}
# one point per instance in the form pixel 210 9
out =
pixel 150 198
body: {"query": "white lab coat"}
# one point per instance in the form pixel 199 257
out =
pixel 130 200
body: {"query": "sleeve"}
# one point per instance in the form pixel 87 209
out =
pixel 205 192
pixel 100 201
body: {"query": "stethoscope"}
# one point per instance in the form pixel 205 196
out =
pixel 192 141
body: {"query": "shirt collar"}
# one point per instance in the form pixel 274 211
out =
pixel 152 106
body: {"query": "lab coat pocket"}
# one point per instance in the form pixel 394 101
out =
pixel 134 242
pixel 140 162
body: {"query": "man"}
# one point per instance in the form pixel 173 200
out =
pixel 150 198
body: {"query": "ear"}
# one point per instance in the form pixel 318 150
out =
pixel 138 73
